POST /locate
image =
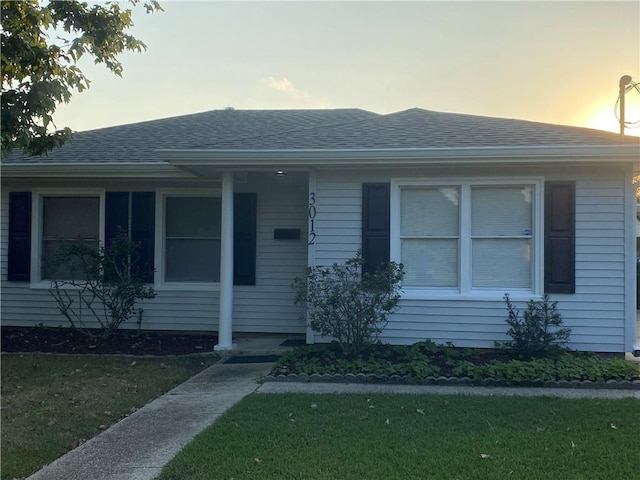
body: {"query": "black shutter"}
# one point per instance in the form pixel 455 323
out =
pixel 116 221
pixel 244 238
pixel 143 216
pixel 142 225
pixel 559 237
pixel 375 225
pixel 116 215
pixel 19 248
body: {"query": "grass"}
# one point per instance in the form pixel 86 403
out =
pixel 51 404
pixel 415 436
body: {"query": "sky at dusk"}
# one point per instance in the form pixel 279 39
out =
pixel 556 62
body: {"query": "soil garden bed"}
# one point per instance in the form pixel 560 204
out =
pixel 122 342
pixel 421 363
pixel 428 363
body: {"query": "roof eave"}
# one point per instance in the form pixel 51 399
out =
pixel 175 162
pixel 399 156
pixel 93 170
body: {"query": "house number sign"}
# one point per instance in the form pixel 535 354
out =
pixel 312 218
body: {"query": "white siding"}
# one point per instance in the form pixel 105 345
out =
pixel 339 217
pixel 268 306
pixel 265 307
pixel 595 313
pixel 23 306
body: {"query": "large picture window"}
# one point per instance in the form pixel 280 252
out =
pixel 192 239
pixel 467 236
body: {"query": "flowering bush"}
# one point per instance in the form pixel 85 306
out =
pixel 98 287
pixel 350 306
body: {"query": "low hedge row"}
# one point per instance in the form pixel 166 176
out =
pixel 427 359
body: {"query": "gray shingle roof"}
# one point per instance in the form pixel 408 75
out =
pixel 418 128
pixel 136 142
pixel 313 129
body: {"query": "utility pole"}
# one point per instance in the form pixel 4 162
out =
pixel 624 81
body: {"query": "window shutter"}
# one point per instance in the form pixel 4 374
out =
pixel 559 237
pixel 244 238
pixel 116 215
pixel 375 225
pixel 116 221
pixel 19 247
pixel 142 224
pixel 143 216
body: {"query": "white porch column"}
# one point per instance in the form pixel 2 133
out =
pixel 225 328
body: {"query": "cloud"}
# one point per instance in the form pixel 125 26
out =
pixel 286 86
pixel 282 84
pixel 289 96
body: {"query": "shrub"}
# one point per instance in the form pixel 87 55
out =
pixel 350 306
pixel 426 359
pixel 564 367
pixel 98 285
pixel 538 332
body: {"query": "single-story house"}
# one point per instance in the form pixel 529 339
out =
pixel 229 206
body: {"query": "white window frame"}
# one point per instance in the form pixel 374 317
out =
pixel 160 239
pixel 465 290
pixel 37 226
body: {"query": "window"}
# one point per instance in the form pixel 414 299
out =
pixel 94 215
pixel 429 235
pixel 192 239
pixel 501 235
pixel 467 236
pixel 177 233
pixel 66 219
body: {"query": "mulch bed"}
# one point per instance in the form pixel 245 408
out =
pixel 123 342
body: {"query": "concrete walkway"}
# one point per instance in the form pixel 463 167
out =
pixel 139 446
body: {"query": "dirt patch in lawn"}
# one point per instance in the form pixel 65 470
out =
pixel 124 342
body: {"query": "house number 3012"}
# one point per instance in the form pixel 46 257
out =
pixel 312 218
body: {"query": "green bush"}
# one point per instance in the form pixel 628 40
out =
pixel 427 359
pixel 566 367
pixel 538 331
pixel 98 286
pixel 348 305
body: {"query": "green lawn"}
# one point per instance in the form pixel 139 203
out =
pixel 52 403
pixel 307 436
